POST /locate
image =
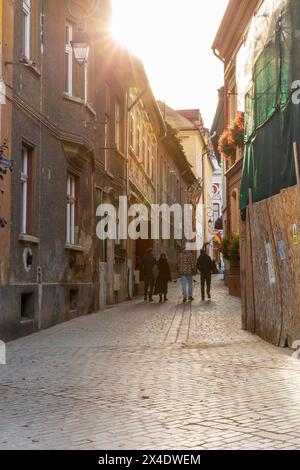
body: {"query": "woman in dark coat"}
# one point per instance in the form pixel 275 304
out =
pixel 163 278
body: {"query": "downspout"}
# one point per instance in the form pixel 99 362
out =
pixel 226 122
pixel 39 268
pixel 225 87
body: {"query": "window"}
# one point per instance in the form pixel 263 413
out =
pixel 26 191
pixel 117 125
pixel 234 211
pixel 153 157
pixel 106 142
pixel 72 205
pixel 131 130
pixel 149 157
pixel 79 85
pixel 216 212
pixel 144 146
pixel 178 195
pixel 138 134
pixel 69 60
pixel 26 27
pixel 107 98
pixel 266 76
pixel 86 83
pixel 76 76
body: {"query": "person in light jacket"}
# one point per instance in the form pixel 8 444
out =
pixel 187 269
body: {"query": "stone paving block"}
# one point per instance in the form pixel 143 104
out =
pixel 147 376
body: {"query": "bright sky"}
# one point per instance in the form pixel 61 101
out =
pixel 173 38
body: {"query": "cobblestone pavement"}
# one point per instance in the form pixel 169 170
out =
pixel 150 376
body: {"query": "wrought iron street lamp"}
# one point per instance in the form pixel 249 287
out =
pixel 81 47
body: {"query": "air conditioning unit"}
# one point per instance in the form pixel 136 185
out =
pixel 117 282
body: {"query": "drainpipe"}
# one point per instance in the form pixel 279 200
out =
pixel 39 278
pixel 225 87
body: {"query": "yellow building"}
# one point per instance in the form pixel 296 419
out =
pixel 195 140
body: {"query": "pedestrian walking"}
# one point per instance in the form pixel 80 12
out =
pixel 205 266
pixel 187 269
pixel 163 278
pixel 149 264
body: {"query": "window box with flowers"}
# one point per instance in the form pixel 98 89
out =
pixel 233 138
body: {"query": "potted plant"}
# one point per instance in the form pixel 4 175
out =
pixel 230 249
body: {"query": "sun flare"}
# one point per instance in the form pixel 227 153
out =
pixel 173 39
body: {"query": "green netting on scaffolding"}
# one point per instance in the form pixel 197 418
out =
pixel 272 120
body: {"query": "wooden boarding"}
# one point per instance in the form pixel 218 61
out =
pixel 290 200
pixel 270 249
pixel 266 279
pixel 249 279
pixel 243 274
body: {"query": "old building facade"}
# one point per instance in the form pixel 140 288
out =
pixel 228 47
pixel 80 135
pixel 51 276
pixel 174 182
pixel 195 140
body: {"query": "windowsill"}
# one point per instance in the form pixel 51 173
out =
pixel 73 99
pixel 23 237
pixel 77 100
pixel 77 248
pixel 30 65
pixel 25 321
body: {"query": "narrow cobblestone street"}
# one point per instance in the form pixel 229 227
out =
pixel 145 376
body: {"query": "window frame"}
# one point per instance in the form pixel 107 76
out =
pixel 69 54
pixel 26 190
pixel 71 210
pixel 138 134
pixel 106 141
pixel 117 125
pixel 26 24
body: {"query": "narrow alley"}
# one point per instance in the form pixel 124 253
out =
pixel 145 376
